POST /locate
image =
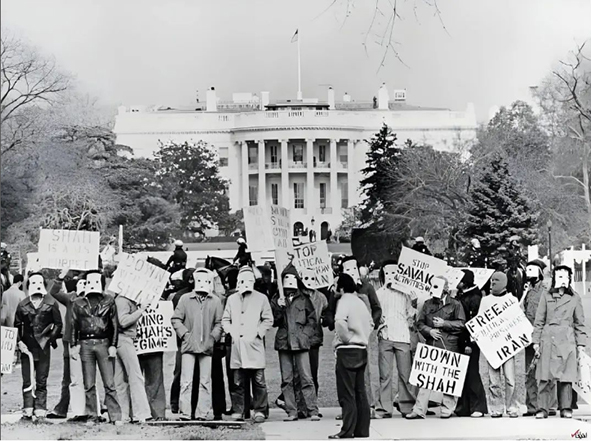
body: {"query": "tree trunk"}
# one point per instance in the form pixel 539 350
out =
pixel 586 151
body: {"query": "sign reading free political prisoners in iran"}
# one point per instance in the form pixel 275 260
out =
pixel 308 256
pixel 501 331
pixel 8 343
pixel 154 330
pixel 440 370
pixel 415 272
pixel 138 280
pixel 73 249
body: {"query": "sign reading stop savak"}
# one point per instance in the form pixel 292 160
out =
pixel 73 249
pixel 154 330
pixel 501 331
pixel 8 346
pixel 308 256
pixel 439 370
pixel 138 280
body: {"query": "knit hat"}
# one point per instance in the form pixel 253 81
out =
pixel 245 269
pixel 468 278
pixel 290 270
pixel 537 262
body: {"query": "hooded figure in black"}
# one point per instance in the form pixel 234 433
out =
pixel 473 400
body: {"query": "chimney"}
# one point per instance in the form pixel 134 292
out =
pixel 264 99
pixel 212 102
pixel 383 98
pixel 347 98
pixel 331 98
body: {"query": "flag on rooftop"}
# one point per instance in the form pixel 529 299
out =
pixel 295 36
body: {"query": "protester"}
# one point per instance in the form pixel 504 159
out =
pixel 534 273
pixel 420 246
pixel 515 267
pixel 473 400
pixel 266 285
pixel 500 296
pixel 39 324
pixel 353 325
pixel 94 340
pixel 178 259
pixel 129 380
pixel 72 380
pixel 441 322
pixel 10 301
pixel 197 321
pixel 295 319
pixel 559 335
pixel 398 317
pixel 247 318
pixel 231 283
pixel 5 260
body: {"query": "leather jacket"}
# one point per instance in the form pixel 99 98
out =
pixel 99 322
pixel 38 327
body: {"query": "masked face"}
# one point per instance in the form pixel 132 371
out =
pixel 390 272
pixel 532 272
pixel 203 281
pixel 309 278
pixel 93 283
pixel 37 286
pixel 437 287
pixel 351 269
pixel 561 279
pixel 80 285
pixel 245 283
pixel 290 282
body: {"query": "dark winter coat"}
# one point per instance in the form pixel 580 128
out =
pixel 98 322
pixel 67 300
pixel 470 300
pixel 452 312
pixel 475 258
pixel 320 304
pixel 38 328
pixel 421 248
pixel 295 322
pixel 532 300
pixel 178 260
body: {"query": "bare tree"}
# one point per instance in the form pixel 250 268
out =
pixel 29 82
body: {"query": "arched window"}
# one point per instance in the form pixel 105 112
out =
pixel 298 229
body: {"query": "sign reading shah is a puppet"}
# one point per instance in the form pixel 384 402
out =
pixel 73 249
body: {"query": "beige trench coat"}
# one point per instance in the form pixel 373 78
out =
pixel 247 319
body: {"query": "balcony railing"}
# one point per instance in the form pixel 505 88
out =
pixel 273 165
pixel 343 164
pixel 297 165
pixel 326 210
pixel 322 164
pixel 253 166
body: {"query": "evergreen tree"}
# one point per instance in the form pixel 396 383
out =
pixel 498 208
pixel 382 164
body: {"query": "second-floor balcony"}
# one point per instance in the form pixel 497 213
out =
pixel 297 165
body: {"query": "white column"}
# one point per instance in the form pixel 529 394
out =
pixel 262 182
pixel 244 168
pixel 351 173
pixel 284 202
pixel 334 192
pixel 310 203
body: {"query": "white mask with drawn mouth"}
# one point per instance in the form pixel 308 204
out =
pixel 437 286
pixel 350 268
pixel 390 272
pixel 203 281
pixel 290 282
pixel 532 272
pixel 37 286
pixel 245 282
pixel 309 279
pixel 80 286
pixel 561 279
pixel 93 283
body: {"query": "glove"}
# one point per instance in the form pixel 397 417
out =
pixel 75 352
pixel 468 350
pixel 537 350
pixel 63 273
pixel 112 352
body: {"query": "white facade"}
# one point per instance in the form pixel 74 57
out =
pixel 304 155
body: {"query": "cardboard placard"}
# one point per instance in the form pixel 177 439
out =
pixel 8 346
pixel 481 276
pixel 583 384
pixel 501 331
pixel 154 330
pixel 453 276
pixel 138 280
pixel 439 370
pixel 415 272
pixel 258 229
pixel 33 263
pixel 308 256
pixel 74 249
pixel 280 227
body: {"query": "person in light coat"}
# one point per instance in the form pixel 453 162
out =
pixel 559 334
pixel 247 318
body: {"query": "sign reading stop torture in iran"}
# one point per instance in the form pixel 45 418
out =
pixel 73 249
pixel 583 384
pixel 415 273
pixel 138 280
pixel 309 256
pixel 501 331
pixel 8 344
pixel 439 370
pixel 154 330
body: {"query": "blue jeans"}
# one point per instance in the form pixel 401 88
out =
pixel 41 371
pixel 93 352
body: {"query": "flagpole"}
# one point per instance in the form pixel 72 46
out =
pixel 299 70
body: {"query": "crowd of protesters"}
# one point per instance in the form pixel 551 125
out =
pixel 228 318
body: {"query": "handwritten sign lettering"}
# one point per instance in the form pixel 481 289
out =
pixel 75 249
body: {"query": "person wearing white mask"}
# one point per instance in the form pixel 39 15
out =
pixel 559 336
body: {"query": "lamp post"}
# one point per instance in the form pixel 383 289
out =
pixel 550 243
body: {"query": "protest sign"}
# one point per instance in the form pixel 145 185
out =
pixel 583 384
pixel 33 263
pixel 74 249
pixel 439 370
pixel 280 227
pixel 415 272
pixel 258 229
pixel 501 331
pixel 8 346
pixel 453 276
pixel 308 256
pixel 481 276
pixel 138 280
pixel 154 330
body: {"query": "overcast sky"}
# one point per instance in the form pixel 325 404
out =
pixel 161 51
